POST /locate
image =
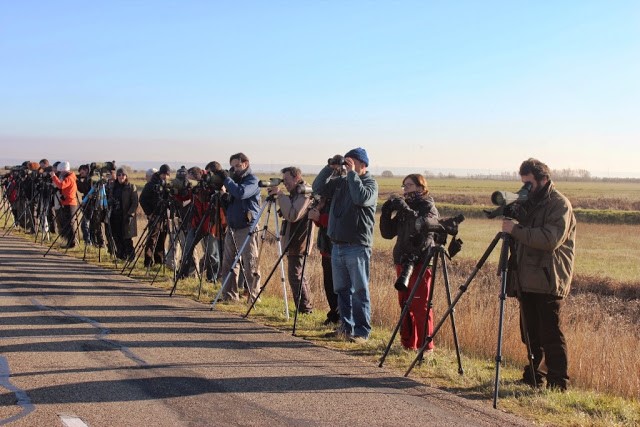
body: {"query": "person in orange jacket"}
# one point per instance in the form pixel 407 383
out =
pixel 69 201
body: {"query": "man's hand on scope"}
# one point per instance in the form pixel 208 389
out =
pixel 508 225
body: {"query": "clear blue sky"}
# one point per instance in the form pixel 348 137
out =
pixel 421 84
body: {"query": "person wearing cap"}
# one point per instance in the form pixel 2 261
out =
pixel 351 222
pixel 155 209
pixel 124 203
pixel 68 200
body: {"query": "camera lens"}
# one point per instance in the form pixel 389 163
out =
pixel 402 284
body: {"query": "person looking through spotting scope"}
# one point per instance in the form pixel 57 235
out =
pixel 293 209
pixel 155 209
pixel 398 219
pixel 243 207
pixel 541 269
pixel 69 201
pixel 351 222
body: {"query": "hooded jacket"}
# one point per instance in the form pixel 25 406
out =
pixel 545 244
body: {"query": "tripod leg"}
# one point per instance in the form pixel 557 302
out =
pixel 405 308
pixel 301 286
pixel 283 281
pixel 445 273
pixel 461 292
pixel 504 265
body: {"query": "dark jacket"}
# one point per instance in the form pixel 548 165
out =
pixel 545 244
pixel 410 242
pixel 150 197
pixel 244 201
pixel 84 184
pixel 353 205
pixel 127 204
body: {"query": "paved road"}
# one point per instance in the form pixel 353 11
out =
pixel 83 344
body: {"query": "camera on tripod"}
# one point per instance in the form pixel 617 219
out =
pixel 441 228
pixel 272 182
pixel 508 203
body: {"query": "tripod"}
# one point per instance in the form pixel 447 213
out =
pixel 252 230
pixel 436 254
pixel 503 268
pixel 24 208
pixel 283 252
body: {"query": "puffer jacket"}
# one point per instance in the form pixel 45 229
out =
pixel 403 225
pixel 545 244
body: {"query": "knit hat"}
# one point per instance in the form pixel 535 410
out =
pixel 150 172
pixel 64 167
pixel 164 169
pixel 358 154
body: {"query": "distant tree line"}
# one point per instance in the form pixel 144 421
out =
pixel 556 175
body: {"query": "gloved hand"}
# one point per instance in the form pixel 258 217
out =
pixel 387 207
pixel 401 206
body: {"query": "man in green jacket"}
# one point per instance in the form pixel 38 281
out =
pixel 544 233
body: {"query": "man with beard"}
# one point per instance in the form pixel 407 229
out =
pixel 242 208
pixel 544 231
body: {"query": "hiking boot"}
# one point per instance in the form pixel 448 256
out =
pixel 339 334
pixel 359 340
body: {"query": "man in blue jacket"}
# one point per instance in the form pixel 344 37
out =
pixel 351 221
pixel 242 209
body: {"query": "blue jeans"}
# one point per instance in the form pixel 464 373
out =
pixel 350 264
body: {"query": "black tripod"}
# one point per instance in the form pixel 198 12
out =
pixel 199 232
pixel 437 254
pixel 161 221
pixel 308 226
pixel 503 269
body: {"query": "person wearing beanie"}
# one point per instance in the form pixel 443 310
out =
pixel 150 173
pixel 68 187
pixel 351 220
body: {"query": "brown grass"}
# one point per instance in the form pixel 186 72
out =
pixel 600 319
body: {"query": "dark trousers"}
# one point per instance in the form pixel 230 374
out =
pixel 68 220
pixel 332 297
pixel 154 247
pixel 299 283
pixel 124 245
pixel 542 315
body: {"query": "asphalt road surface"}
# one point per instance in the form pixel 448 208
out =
pixel 81 345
